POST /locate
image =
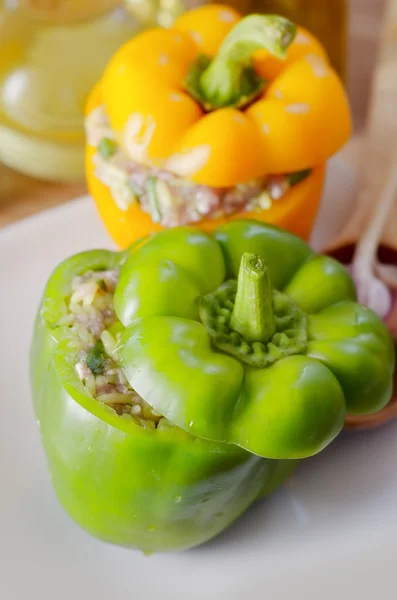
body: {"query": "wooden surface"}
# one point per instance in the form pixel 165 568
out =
pixel 21 196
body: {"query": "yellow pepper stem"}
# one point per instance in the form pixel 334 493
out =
pixel 230 79
pixel 253 314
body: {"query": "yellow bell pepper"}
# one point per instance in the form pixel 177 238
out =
pixel 247 110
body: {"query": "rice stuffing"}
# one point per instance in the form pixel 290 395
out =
pixel 93 323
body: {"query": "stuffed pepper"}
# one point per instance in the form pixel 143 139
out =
pixel 218 118
pixel 180 380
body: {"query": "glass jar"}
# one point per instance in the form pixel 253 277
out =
pixel 51 54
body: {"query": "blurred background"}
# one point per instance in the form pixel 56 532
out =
pixel 53 51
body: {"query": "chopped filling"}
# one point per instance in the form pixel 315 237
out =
pixel 169 199
pixel 92 320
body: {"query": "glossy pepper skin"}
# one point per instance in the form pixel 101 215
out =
pixel 161 490
pixel 285 398
pixel 297 122
pixel 179 485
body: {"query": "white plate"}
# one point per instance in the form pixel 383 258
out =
pixel 331 531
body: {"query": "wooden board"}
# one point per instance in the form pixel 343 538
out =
pixel 21 196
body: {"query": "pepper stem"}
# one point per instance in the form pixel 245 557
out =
pixel 253 314
pixel 230 76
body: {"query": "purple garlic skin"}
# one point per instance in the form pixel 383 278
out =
pixel 372 291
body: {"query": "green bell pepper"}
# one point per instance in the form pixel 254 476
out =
pixel 249 345
pixel 156 490
pixel 211 346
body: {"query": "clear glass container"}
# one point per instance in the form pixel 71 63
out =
pixel 51 54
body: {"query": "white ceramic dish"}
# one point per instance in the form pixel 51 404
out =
pixel 330 533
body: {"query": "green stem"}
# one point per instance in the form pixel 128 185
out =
pixel 253 314
pixel 230 75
